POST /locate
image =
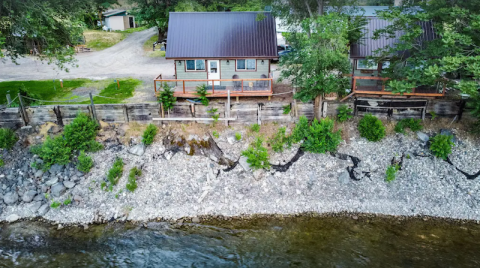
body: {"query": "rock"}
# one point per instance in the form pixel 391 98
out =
pixel 43 209
pixel 38 174
pixel 258 174
pixel 213 158
pixel 39 197
pixel 55 169
pixel 195 220
pixel 422 136
pixel 69 184
pixel 10 198
pixel 344 178
pixel 12 218
pixel 231 139
pixel 77 198
pixel 44 188
pixel 448 132
pixel 243 162
pixel 51 181
pixel 33 207
pixel 28 196
pixel 138 149
pixel 58 189
pixel 168 155
pixel 188 149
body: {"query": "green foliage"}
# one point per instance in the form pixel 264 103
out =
pixel 215 116
pixel 215 134
pixel 67 201
pixel 53 151
pixel 441 146
pixel 115 172
pixel 396 86
pixel 149 134
pixel 255 128
pixel 257 155
pixel 321 138
pixel 344 113
pixel 371 128
pixel 115 94
pixel 85 163
pixel 166 97
pixel 7 138
pixel 2 163
pixel 202 94
pixel 433 114
pixel 103 185
pixel 301 129
pixel 55 204
pixel 277 142
pixel 80 133
pixel 132 178
pixel 287 109
pixel 391 172
pixel 413 124
pixel 238 136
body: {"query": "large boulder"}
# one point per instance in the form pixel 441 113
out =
pixel 138 149
pixel 58 189
pixel 28 196
pixel 10 198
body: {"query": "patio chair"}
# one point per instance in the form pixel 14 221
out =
pixel 236 84
pixel 261 85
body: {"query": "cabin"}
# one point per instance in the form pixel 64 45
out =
pixel 117 19
pixel 225 51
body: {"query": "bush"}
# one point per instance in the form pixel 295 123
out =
pixel 215 116
pixel 257 155
pixel 287 109
pixel 7 138
pixel 132 179
pixel 321 138
pixel 81 133
pixel 85 163
pixel 202 94
pixel 255 128
pixel 53 151
pixel 441 146
pixel 215 134
pixel 115 172
pixel 55 204
pixel 149 134
pixel 371 128
pixel 301 129
pixel 238 136
pixel 391 172
pixel 412 124
pixel 67 201
pixel 344 113
pixel 278 141
pixel 166 97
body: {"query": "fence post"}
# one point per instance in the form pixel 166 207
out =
pixel 94 112
pixel 227 110
pixel 9 100
pixel 23 113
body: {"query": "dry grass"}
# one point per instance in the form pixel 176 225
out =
pixel 99 40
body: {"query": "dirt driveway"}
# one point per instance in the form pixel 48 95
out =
pixel 125 59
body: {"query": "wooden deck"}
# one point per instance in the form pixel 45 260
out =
pixel 186 88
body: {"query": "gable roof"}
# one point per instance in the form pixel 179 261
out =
pixel 221 35
pixel 367 46
pixel 113 12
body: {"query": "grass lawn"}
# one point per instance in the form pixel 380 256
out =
pixel 99 40
pixel 147 47
pixel 117 95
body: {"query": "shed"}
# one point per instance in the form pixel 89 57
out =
pixel 117 19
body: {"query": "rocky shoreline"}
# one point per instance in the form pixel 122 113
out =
pixel 191 177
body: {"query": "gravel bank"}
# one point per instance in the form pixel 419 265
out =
pixel 176 185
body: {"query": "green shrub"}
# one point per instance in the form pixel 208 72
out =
pixel 391 172
pixel 166 97
pixel 257 155
pixel 238 136
pixel 412 124
pixel 132 179
pixel 433 114
pixel 202 94
pixel 1 162
pixel 7 138
pixel 301 129
pixel 441 146
pixel 149 134
pixel 115 172
pixel 55 204
pixel 371 128
pixel 85 163
pixel 287 109
pixel 278 140
pixel 344 113
pixel 67 201
pixel 255 128
pixel 215 116
pixel 321 138
pixel 215 134
pixel 81 132
pixel 53 151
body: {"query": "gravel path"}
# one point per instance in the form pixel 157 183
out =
pixel 177 186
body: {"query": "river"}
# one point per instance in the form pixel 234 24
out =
pixel 291 242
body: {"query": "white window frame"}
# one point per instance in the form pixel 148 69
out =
pixel 373 68
pixel 196 70
pixel 245 70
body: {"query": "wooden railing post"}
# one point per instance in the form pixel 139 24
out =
pixel 242 85
pixel 213 86
pixel 183 86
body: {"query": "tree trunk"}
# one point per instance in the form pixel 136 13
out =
pixel 320 7
pixel 100 17
pixel 317 112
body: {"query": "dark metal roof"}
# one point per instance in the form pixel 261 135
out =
pixel 368 45
pixel 221 35
pixel 113 12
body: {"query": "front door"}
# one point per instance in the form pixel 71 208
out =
pixel 214 71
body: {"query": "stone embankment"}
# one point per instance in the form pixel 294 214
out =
pixel 187 176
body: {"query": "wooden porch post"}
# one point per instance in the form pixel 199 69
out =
pixel 183 86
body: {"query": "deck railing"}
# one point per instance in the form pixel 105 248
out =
pixel 217 87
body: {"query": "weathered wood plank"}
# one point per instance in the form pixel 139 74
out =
pixel 306 109
pixel 201 111
pixel 41 114
pixel 111 113
pixel 11 118
pixel 273 112
pixel 143 112
pixel 70 112
pixel 246 113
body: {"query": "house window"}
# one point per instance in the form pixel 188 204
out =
pixel 247 65
pixel 195 65
pixel 366 65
